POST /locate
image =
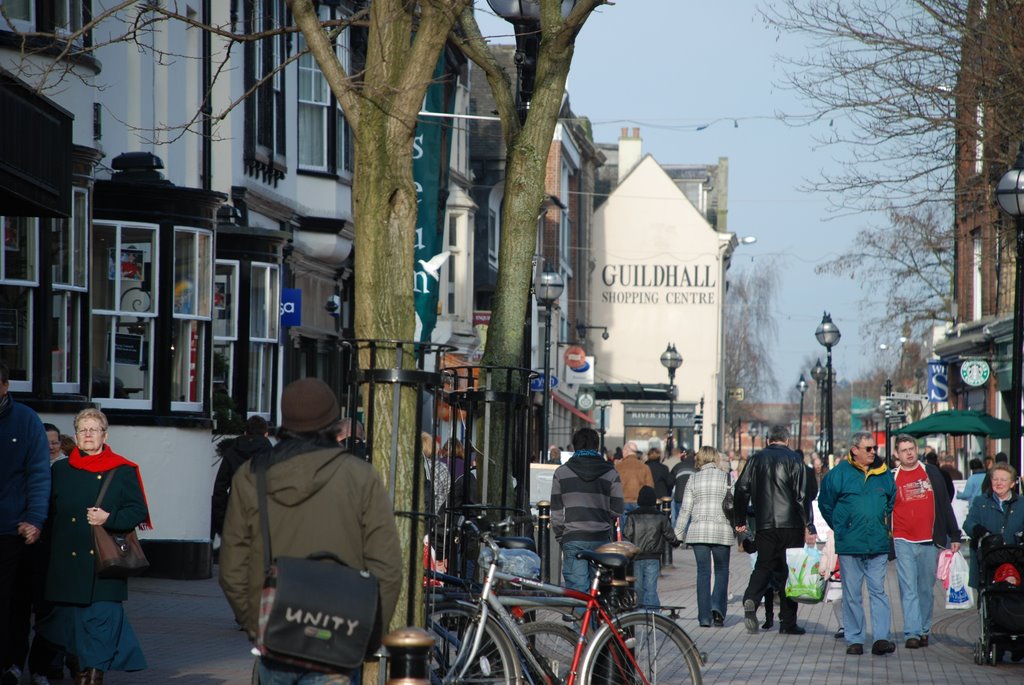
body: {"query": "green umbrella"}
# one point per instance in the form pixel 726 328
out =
pixel 959 422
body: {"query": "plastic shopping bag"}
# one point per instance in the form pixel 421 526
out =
pixel 942 570
pixel 958 596
pixel 804 583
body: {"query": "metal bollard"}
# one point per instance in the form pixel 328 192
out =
pixel 544 538
pixel 666 553
pixel 409 654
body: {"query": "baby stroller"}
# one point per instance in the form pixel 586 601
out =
pixel 1000 599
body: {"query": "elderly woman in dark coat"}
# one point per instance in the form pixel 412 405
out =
pixel 88 619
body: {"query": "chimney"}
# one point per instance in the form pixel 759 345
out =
pixel 630 151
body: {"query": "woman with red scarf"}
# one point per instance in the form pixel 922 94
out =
pixel 88 619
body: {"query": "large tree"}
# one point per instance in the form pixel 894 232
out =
pixel 750 333
pixel 896 81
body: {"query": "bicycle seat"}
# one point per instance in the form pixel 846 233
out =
pixel 606 559
pixel 626 549
pixel 514 542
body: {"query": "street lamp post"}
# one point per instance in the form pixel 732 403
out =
pixel 818 374
pixel 828 335
pixel 801 385
pixel 549 286
pixel 752 430
pixel 1010 195
pixel 671 360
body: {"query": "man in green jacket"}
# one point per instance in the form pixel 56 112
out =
pixel 856 499
pixel 320 498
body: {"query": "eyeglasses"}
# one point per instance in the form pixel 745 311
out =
pixel 91 431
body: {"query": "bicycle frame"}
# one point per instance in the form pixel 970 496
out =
pixel 488 601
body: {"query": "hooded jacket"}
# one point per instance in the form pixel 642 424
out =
pixel 319 499
pixel 648 528
pixel 857 502
pixel 586 498
pixel 233 455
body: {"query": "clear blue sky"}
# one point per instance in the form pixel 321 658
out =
pixel 670 67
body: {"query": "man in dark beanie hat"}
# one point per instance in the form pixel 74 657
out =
pixel 319 498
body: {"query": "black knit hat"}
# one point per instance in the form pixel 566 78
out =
pixel 647 497
pixel 308 405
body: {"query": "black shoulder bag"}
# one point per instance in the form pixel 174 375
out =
pixel 315 612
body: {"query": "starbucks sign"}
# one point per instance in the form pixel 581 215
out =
pixel 975 372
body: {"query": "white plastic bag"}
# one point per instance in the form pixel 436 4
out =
pixel 804 583
pixel 958 596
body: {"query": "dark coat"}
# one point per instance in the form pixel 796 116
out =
pixel 233 455
pixel 987 515
pixel 663 479
pixel 71 577
pixel 649 529
pixel 774 482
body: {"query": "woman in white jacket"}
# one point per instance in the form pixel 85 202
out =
pixel 702 525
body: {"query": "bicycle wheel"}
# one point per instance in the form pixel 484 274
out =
pixel 664 653
pixel 554 643
pixel 495 662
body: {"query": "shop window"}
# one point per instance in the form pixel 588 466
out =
pixel 122 278
pixel 191 306
pixel 18 279
pixel 264 315
pixel 68 258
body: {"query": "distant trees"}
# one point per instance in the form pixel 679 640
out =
pixel 750 332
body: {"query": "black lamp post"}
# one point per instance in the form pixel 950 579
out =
pixel 801 385
pixel 828 335
pixel 818 374
pixel 671 360
pixel 548 287
pixel 524 15
pixel 752 429
pixel 1010 195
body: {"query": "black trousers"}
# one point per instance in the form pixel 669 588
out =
pixel 11 548
pixel 770 569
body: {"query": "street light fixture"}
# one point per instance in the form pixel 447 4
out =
pixel 828 335
pixel 524 15
pixel 1010 195
pixel 548 288
pixel 818 374
pixel 671 360
pixel 801 385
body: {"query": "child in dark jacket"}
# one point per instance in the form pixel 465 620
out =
pixel 649 529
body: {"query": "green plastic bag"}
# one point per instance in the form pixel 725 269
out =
pixel 804 583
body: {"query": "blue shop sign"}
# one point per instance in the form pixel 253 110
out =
pixel 291 307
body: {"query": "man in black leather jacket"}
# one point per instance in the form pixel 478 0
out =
pixel 774 482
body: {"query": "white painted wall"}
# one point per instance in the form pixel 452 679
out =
pixel 659 279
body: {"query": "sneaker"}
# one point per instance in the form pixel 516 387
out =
pixel 882 647
pixel 792 630
pixel 840 634
pixel 12 676
pixel 750 615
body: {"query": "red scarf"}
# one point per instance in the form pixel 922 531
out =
pixel 105 461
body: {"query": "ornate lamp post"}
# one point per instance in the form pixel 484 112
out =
pixel 671 360
pixel 524 15
pixel 801 385
pixel 818 374
pixel 828 335
pixel 752 430
pixel 548 288
pixel 1010 195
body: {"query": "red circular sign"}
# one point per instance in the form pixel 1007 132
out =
pixel 576 358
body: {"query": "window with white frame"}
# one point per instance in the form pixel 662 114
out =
pixel 225 324
pixel 265 109
pixel 123 277
pixel 264 315
pixel 323 131
pixel 976 273
pixel 192 305
pixel 18 281
pixel 69 257
pixel 60 17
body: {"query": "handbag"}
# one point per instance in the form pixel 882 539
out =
pixel 119 554
pixel 727 505
pixel 315 612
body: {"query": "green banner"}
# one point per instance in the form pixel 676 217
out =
pixel 430 159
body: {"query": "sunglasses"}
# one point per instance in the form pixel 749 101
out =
pixel 870 448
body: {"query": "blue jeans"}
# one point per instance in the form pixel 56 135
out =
pixel 856 569
pixel 646 572
pixel 708 600
pixel 577 573
pixel 626 508
pixel 277 673
pixel 915 567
